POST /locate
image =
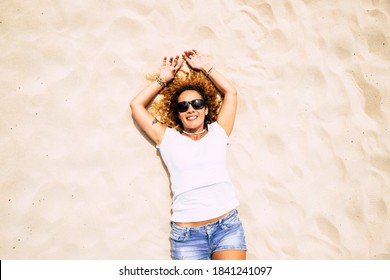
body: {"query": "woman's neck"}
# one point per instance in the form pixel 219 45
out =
pixel 195 134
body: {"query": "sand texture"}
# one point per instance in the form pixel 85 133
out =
pixel 309 155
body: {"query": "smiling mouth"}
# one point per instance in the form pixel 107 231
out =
pixel 192 118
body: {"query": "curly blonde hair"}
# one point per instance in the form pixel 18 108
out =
pixel 164 108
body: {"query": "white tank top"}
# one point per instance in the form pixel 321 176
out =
pixel 200 182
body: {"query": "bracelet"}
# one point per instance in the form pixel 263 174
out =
pixel 160 82
pixel 209 72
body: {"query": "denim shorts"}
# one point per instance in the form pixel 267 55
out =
pixel 201 242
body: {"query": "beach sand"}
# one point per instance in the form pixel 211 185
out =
pixel 309 155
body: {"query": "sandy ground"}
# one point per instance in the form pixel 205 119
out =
pixel 309 156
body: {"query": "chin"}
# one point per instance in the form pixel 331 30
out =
pixel 193 125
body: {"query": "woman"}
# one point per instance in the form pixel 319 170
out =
pixel 196 111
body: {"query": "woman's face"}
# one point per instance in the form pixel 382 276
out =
pixel 193 120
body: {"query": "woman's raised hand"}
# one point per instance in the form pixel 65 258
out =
pixel 195 60
pixel 170 67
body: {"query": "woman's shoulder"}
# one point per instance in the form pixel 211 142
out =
pixel 169 133
pixel 215 125
pixel 218 129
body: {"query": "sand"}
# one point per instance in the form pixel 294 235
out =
pixel 309 155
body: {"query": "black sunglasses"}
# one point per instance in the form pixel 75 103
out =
pixel 197 104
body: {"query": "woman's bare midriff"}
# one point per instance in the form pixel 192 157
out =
pixel 202 223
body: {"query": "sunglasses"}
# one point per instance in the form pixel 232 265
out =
pixel 197 104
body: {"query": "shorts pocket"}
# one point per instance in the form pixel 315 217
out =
pixel 231 222
pixel 179 233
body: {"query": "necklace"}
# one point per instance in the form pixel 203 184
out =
pixel 194 133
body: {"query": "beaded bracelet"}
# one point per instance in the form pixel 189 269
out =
pixel 160 82
pixel 209 72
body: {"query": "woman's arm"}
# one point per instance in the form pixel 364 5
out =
pixel 227 114
pixel 138 104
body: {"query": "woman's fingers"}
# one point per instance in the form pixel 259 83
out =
pixel 190 54
pixel 172 61
pixel 179 63
pixel 175 61
pixel 171 66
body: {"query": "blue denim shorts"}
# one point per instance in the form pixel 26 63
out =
pixel 201 242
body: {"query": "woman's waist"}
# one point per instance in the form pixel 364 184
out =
pixel 204 205
pixel 203 223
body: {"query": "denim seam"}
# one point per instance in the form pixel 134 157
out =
pixel 224 248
